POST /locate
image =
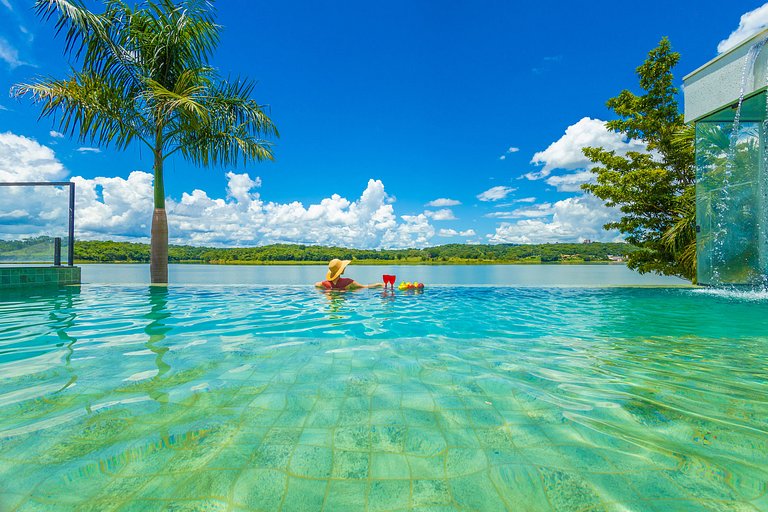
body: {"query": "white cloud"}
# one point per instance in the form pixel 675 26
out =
pixel 3 107
pixel 56 135
pixel 416 231
pixel 495 193
pixel 9 54
pixel 442 202
pixel 571 182
pixel 7 4
pixel 566 153
pixel 750 24
pixel 539 210
pixel 119 208
pixel 510 150
pixel 443 214
pixel 23 159
pixel 514 202
pixel 245 219
pixel 88 150
pixel 113 208
pixel 239 187
pixel 573 219
pixel 446 233
pixel 30 211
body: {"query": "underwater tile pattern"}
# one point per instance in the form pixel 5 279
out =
pixel 287 399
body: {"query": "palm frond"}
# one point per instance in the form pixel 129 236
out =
pixel 680 237
pixel 234 129
pixel 88 107
pixel 145 75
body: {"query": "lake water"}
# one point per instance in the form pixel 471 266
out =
pixel 533 388
pixel 476 275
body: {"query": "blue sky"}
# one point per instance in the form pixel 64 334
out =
pixel 390 106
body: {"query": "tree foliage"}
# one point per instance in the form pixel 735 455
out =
pixel 144 76
pixel 98 251
pixel 654 190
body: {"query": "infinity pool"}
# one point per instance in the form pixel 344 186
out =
pixel 474 398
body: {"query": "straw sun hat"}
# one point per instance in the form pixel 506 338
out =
pixel 335 268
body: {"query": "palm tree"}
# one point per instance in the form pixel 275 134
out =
pixel 145 77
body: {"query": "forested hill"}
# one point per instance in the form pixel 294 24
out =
pixel 86 251
pixel 41 249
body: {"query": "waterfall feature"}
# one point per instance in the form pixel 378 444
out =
pixel 726 100
pixel 722 209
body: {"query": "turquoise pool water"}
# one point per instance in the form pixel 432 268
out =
pixel 471 398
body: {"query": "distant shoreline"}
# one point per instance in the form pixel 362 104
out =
pixel 40 249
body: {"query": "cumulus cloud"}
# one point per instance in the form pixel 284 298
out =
pixel 447 233
pixel 750 24
pixel 55 134
pixel 443 214
pixel 88 150
pixel 573 219
pixel 113 208
pixel 245 219
pixel 24 159
pixel 495 193
pixel 30 211
pixel 571 182
pixel 415 231
pixel 442 202
pixel 119 208
pixel 566 153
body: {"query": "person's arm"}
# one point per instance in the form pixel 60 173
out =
pixel 354 285
pixel 319 284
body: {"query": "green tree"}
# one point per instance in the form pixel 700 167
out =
pixel 654 190
pixel 145 77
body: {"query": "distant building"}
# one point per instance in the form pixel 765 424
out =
pixel 587 241
pixel 618 259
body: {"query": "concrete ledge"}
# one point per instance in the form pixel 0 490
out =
pixel 717 84
pixel 24 277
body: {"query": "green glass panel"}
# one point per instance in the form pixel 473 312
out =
pixel 730 208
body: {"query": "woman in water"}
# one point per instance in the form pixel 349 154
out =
pixel 334 281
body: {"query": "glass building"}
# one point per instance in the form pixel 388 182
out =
pixel 726 100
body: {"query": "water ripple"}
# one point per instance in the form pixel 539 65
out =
pixel 574 384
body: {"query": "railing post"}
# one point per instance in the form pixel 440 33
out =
pixel 57 252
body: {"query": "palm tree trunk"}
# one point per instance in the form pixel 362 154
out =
pixel 158 258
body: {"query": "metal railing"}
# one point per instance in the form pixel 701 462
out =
pixel 71 224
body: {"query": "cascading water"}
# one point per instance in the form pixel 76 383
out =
pixel 721 207
pixel 763 195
